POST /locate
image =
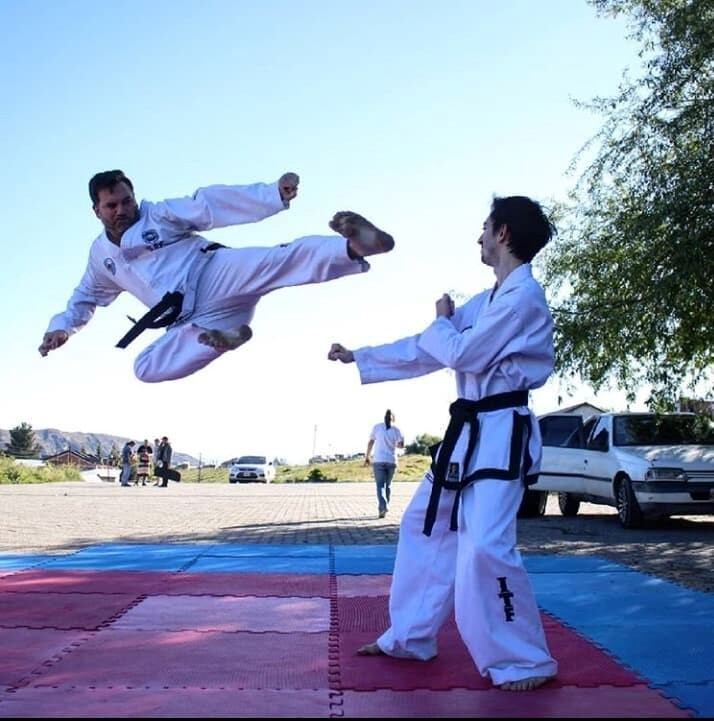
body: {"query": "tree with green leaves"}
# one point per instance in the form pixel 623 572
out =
pixel 23 443
pixel 98 451
pixel 113 455
pixel 630 275
pixel 421 445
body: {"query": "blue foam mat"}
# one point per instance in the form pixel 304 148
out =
pixel 698 697
pixel 260 564
pixel 672 652
pixel 21 562
pixel 570 564
pixel 630 598
pixel 268 549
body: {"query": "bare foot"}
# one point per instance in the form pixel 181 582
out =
pixel 224 340
pixel 370 649
pixel 363 238
pixel 525 684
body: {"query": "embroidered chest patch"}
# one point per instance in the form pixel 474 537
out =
pixel 109 265
pixel 151 239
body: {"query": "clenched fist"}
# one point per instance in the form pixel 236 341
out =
pixel 288 186
pixel 52 340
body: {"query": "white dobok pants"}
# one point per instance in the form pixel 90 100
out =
pixel 230 287
pixel 461 570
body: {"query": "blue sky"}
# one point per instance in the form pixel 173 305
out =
pixel 413 114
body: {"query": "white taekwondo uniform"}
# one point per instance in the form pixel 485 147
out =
pixel 163 252
pixel 498 342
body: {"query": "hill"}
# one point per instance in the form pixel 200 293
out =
pixel 52 440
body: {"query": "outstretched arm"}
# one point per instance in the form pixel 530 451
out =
pixel 220 206
pixel 90 293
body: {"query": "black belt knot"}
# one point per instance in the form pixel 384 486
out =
pixel 463 411
pixel 164 313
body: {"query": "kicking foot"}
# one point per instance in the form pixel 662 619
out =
pixel 363 238
pixel 370 649
pixel 382 514
pixel 525 684
pixel 224 340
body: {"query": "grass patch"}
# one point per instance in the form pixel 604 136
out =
pixel 14 473
pixel 410 468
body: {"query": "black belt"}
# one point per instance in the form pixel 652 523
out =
pixel 164 313
pixel 464 411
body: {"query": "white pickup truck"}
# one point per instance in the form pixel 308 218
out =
pixel 646 465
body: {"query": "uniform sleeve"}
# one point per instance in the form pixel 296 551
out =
pixel 219 206
pixel 499 331
pixel 394 361
pixel 91 292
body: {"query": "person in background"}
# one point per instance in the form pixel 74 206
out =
pixel 163 461
pixel 127 457
pixel 384 440
pixel 143 468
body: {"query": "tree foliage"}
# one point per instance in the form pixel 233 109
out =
pixel 422 444
pixel 23 443
pixel 631 273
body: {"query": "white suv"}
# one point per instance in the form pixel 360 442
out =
pixel 252 468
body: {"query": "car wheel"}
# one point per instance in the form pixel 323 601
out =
pixel 628 509
pixel 569 504
pixel 533 504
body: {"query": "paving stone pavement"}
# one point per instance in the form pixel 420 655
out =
pixel 63 517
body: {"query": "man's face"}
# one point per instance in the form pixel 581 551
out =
pixel 489 243
pixel 117 209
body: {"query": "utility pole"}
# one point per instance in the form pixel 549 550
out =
pixel 314 440
pixel 200 458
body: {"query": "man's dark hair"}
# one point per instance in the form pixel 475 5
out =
pixel 528 226
pixel 388 418
pixel 107 180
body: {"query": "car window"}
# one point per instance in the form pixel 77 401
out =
pixel 661 430
pixel 258 460
pixel 561 431
pixel 598 441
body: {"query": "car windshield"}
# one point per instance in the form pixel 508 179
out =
pixel 662 430
pixel 260 460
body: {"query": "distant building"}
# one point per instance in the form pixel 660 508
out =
pixel 73 458
pixel 696 405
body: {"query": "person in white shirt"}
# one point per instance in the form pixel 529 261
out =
pixel 457 540
pixel 205 293
pixel 384 440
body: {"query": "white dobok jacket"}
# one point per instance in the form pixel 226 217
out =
pixel 499 341
pixel 162 251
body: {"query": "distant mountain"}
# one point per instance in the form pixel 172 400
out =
pixel 53 441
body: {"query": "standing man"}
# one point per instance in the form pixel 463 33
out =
pixel 457 541
pixel 384 440
pixel 127 456
pixel 205 293
pixel 164 461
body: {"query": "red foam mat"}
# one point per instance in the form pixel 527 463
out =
pixel 218 584
pixel 249 584
pixel 145 702
pixel 229 613
pixel 361 620
pixel 363 585
pixel 61 610
pixel 193 658
pixel 549 702
pixel 54 581
pixel 23 650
